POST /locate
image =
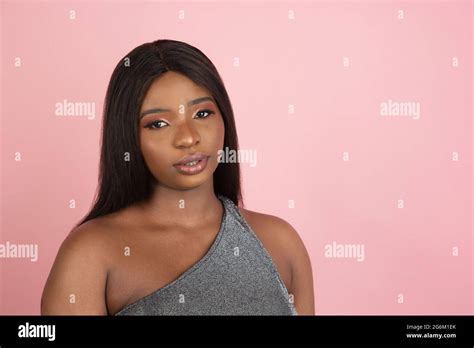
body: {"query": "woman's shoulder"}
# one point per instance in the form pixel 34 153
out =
pixel 91 235
pixel 278 234
pixel 266 225
pixel 88 243
pixel 102 229
pixel 77 279
pixel 288 250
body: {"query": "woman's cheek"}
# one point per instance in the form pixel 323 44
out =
pixel 217 141
pixel 220 135
pixel 151 154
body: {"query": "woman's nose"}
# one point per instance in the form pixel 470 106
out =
pixel 186 134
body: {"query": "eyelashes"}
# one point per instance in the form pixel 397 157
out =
pixel 155 124
pixel 152 125
pixel 210 112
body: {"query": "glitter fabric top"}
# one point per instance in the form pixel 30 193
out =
pixel 236 277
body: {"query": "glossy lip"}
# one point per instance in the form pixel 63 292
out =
pixel 194 157
pixel 195 169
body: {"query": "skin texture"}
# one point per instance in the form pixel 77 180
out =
pixel 115 260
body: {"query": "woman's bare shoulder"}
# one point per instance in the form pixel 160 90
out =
pixel 92 230
pixel 99 232
pixel 77 279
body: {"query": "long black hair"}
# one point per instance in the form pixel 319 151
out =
pixel 124 177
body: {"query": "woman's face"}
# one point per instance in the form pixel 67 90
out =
pixel 183 126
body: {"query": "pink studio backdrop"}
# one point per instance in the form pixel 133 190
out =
pixel 307 93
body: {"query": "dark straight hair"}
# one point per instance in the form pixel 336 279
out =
pixel 124 177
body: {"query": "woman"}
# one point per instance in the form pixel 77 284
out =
pixel 167 233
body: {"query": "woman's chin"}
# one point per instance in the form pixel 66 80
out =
pixel 188 182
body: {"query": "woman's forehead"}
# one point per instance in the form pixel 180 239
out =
pixel 172 90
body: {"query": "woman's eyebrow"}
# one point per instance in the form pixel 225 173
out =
pixel 192 102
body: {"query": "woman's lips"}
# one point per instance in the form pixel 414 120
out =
pixel 192 169
pixel 193 157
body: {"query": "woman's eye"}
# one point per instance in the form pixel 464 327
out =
pixel 160 124
pixel 209 112
pixel 155 124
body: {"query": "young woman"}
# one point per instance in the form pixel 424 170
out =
pixel 168 234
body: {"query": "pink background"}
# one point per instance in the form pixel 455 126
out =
pixel 300 156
